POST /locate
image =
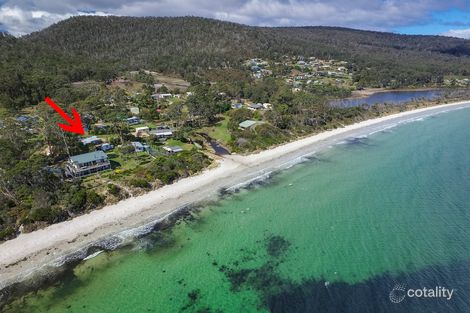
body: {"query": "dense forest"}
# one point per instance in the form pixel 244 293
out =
pixel 99 48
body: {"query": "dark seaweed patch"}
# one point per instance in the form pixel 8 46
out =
pixel 156 241
pixel 263 278
pixel 63 276
pixel 276 246
pixel 358 142
pixel 372 295
pixel 193 295
pixel 185 213
pixel 278 294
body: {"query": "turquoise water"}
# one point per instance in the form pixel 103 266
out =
pixel 330 235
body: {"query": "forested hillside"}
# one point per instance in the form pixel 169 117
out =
pixel 100 47
pixel 185 44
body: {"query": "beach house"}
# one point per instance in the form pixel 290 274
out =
pixel 132 120
pixel 173 149
pixel 161 96
pixel 247 124
pixel 87 163
pixel 106 147
pixel 255 106
pixel 140 147
pixel 162 132
pixel 93 140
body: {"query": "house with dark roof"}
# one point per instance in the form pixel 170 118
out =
pixel 106 147
pixel 132 120
pixel 87 163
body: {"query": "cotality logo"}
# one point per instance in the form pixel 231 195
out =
pixel 398 293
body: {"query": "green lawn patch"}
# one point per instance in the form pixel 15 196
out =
pixel 220 131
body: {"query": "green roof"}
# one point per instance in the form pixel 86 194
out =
pixel 247 124
pixel 89 157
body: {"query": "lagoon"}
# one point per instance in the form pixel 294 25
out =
pixel 390 97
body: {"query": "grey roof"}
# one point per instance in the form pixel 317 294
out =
pixel 92 139
pixel 161 132
pixel 137 144
pixel 247 124
pixel 89 157
pixel 256 106
pixel 23 118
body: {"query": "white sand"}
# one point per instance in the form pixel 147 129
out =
pixel 27 252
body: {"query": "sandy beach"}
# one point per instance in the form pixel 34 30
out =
pixel 26 254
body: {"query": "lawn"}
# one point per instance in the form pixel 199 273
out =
pixel 174 142
pixel 220 131
pixel 130 161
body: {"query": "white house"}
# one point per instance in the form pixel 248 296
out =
pixel 173 149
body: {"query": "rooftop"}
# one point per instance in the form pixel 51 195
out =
pixel 91 139
pixel 173 149
pixel 137 144
pixel 89 157
pixel 256 106
pixel 247 123
pixel 161 132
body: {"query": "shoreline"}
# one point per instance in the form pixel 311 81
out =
pixel 28 254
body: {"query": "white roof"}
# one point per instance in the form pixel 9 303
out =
pixel 173 149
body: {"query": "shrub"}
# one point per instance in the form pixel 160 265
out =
pixel 77 200
pixel 114 190
pixel 139 183
pixel 167 169
pixel 126 149
pixel 81 200
pixel 6 233
pixel 93 199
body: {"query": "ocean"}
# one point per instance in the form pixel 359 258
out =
pixel 368 225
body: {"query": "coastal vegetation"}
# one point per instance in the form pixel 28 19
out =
pixel 199 87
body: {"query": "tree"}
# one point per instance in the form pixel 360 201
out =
pixel 204 103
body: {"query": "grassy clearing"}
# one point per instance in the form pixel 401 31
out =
pixel 174 142
pixel 220 131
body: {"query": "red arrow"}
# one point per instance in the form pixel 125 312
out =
pixel 75 124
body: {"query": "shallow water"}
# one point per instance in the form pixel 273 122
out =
pixel 390 97
pixel 334 234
